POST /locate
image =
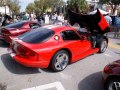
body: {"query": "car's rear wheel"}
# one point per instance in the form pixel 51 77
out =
pixel 103 46
pixel 59 61
pixel 113 84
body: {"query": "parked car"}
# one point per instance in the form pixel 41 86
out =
pixel 16 29
pixel 55 46
pixel 111 76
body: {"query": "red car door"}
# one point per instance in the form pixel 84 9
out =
pixel 75 43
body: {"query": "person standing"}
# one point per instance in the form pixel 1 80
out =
pixel 60 19
pixel 46 19
pixel 108 19
pixel 24 17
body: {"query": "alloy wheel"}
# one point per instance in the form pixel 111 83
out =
pixel 114 86
pixel 61 61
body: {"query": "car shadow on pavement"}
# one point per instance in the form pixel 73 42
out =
pixel 92 82
pixel 4 44
pixel 48 70
pixel 15 67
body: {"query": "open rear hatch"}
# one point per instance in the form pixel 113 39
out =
pixel 95 23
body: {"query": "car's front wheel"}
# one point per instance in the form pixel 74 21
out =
pixel 103 46
pixel 113 84
pixel 60 61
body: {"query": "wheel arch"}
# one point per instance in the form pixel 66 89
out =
pixel 67 50
pixel 100 38
pixel 111 77
pixel 106 39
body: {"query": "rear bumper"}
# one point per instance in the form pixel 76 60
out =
pixel 26 62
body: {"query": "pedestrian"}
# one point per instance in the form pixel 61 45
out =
pixel 7 20
pixel 24 17
pixel 46 19
pixel 54 18
pixel 60 19
pixel 15 19
pixel 108 19
pixel 30 18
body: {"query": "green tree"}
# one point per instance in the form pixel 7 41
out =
pixel 14 6
pixel 2 2
pixel 78 5
pixel 113 3
pixel 43 5
pixel 30 8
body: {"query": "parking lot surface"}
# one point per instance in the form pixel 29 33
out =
pixel 85 74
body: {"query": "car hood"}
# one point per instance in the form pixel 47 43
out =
pixel 95 23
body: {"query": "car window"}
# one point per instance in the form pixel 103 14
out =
pixel 37 35
pixel 34 25
pixel 15 25
pixel 69 35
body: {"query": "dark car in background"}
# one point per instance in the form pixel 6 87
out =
pixel 111 76
pixel 16 29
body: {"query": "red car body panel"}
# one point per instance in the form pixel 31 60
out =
pixel 45 50
pixel 111 70
pixel 13 32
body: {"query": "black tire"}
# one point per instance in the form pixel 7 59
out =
pixel 103 46
pixel 111 84
pixel 54 61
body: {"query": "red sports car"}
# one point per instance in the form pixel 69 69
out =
pixel 54 46
pixel 111 75
pixel 16 29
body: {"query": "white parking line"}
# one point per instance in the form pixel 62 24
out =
pixel 56 85
pixel 108 55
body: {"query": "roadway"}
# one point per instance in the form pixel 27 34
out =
pixel 85 74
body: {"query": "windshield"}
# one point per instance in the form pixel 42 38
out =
pixel 37 35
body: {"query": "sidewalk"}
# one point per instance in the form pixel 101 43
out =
pixel 113 42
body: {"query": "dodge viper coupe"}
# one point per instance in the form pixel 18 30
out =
pixel 55 46
pixel 111 76
pixel 16 29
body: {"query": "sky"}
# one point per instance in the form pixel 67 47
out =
pixel 24 3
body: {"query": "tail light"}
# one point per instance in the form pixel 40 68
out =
pixel 107 69
pixel 26 53
pixel 5 32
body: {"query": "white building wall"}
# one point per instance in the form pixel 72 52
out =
pixel 2 10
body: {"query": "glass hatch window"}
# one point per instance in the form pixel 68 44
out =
pixel 15 25
pixel 37 35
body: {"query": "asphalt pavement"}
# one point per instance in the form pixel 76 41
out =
pixel 85 74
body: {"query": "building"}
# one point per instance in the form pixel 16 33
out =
pixel 4 10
